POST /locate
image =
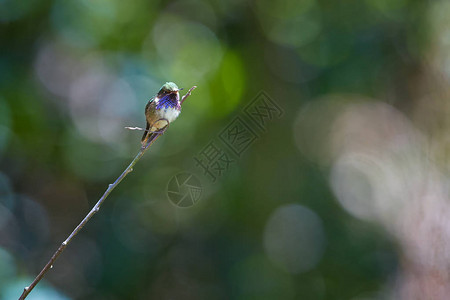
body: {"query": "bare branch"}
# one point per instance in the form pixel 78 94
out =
pixel 96 207
pixel 135 128
pixel 187 94
pixel 94 210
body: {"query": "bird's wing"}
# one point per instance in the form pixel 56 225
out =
pixel 149 102
pixel 148 125
pixel 145 133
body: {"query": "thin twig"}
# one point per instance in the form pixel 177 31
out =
pixel 96 208
pixel 187 94
pixel 135 128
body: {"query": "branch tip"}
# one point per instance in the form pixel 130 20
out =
pixel 188 94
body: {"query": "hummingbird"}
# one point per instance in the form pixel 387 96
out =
pixel 161 110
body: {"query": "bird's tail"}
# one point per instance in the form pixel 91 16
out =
pixel 150 136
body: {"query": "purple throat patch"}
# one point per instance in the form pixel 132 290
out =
pixel 168 101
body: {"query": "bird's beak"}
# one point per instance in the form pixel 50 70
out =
pixel 180 89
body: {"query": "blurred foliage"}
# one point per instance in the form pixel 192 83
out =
pixel 315 208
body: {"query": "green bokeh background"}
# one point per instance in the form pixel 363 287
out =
pixel 73 74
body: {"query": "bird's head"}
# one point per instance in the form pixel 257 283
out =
pixel 169 88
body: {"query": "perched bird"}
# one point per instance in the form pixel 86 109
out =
pixel 161 110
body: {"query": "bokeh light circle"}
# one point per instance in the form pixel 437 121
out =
pixel 294 238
